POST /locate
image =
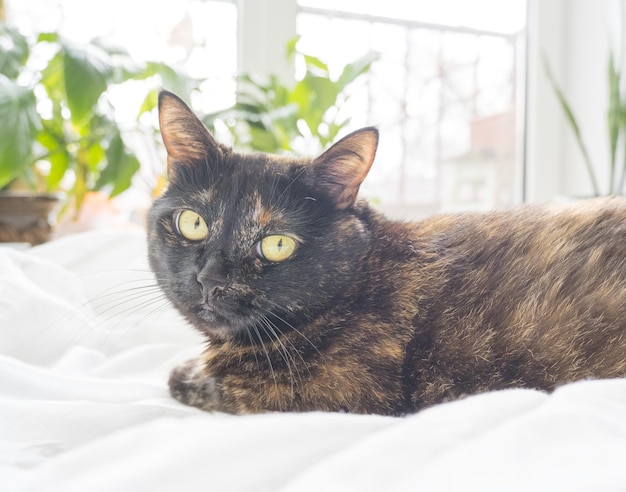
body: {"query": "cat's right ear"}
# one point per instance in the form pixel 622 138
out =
pixel 341 169
pixel 185 137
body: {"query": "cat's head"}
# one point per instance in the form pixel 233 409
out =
pixel 247 244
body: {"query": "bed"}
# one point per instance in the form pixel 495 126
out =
pixel 86 344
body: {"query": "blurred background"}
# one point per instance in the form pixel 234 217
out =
pixel 481 104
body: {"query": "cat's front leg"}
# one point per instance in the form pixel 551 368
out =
pixel 190 384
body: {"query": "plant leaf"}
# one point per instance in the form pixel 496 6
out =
pixel 355 69
pixel 52 79
pixel 49 37
pixel 14 51
pixel 120 168
pixel 86 71
pixel 149 103
pixel 314 95
pixel 19 126
pixel 575 128
pixel 613 117
pixel 58 155
pixel 316 66
pixel 263 139
pixel 292 47
pixel 173 79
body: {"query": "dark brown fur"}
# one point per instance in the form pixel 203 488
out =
pixel 434 310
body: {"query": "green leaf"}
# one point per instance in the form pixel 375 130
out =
pixel 315 96
pixel 19 125
pixel 94 155
pixel 613 117
pixel 110 47
pixel 173 80
pixel 279 93
pixel 355 69
pixel 249 109
pixel 316 66
pixel 58 156
pixel 123 67
pixel 14 51
pixel 129 167
pixel 120 168
pixel 287 113
pixel 292 47
pixel 575 128
pixel 150 102
pixel 86 71
pixel 47 37
pixel 263 140
pixel 53 80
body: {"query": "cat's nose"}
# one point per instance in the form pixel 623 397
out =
pixel 212 277
pixel 212 286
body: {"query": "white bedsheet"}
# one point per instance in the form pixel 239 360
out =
pixel 86 344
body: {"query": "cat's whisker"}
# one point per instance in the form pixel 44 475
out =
pixel 160 306
pixel 282 320
pixel 269 331
pixel 286 338
pixel 113 317
pixel 269 361
pixel 110 293
pixel 110 305
pixel 285 353
pixel 254 352
pixel 82 320
pixel 81 310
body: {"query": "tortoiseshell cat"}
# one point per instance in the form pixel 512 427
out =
pixel 310 300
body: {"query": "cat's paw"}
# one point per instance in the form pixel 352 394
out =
pixel 189 384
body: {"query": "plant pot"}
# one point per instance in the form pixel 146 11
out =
pixel 27 217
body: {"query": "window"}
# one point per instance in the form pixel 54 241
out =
pixel 446 93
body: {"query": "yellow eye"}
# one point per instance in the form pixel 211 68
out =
pixel 192 226
pixel 276 248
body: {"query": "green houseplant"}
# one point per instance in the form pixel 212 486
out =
pixel 616 126
pixel 59 130
pixel 273 116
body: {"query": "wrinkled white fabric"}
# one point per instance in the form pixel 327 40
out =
pixel 86 344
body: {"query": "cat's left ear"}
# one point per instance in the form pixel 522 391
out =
pixel 186 138
pixel 341 169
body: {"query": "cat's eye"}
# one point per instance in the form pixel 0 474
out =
pixel 190 225
pixel 275 248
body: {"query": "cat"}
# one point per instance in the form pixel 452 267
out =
pixel 312 300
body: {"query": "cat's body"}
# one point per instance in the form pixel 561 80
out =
pixel 364 314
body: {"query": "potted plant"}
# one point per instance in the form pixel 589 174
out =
pixel 272 116
pixel 60 137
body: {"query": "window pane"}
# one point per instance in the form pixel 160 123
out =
pixel 446 99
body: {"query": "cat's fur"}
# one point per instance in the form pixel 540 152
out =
pixel 371 315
